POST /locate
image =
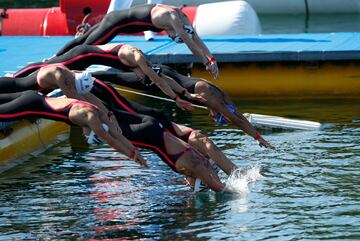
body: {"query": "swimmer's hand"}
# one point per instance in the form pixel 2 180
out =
pixel 212 68
pixel 183 104
pixel 263 143
pixel 196 97
pixel 141 161
pixel 138 158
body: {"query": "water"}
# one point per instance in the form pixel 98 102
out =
pixel 305 190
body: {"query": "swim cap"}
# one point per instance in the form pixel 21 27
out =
pixel 220 119
pixel 83 82
pixel 93 139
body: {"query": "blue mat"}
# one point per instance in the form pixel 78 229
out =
pixel 16 52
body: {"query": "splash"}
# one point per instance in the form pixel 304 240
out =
pixel 241 178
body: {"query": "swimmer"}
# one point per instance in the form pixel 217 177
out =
pixel 194 138
pixel 143 131
pixel 152 136
pixel 219 104
pixel 149 133
pixel 153 17
pixel 73 84
pixel 31 104
pixel 120 56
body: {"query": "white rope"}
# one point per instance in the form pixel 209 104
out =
pixel 156 97
pixel 255 119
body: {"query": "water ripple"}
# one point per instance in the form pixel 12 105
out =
pixel 308 190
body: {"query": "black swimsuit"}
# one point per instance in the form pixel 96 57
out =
pixel 142 130
pixel 146 132
pixel 11 84
pixel 79 58
pixel 113 99
pixel 133 20
pixel 130 79
pixel 30 104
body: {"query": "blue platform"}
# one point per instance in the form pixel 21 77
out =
pixel 19 51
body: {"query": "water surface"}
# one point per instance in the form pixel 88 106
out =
pixel 309 190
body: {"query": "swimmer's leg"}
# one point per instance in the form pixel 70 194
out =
pixel 77 41
pixel 11 85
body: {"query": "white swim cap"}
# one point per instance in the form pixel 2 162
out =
pixel 83 82
pixel 93 139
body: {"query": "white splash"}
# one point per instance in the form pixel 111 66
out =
pixel 240 179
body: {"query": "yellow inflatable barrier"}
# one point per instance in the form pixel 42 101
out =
pixel 25 137
pixel 287 80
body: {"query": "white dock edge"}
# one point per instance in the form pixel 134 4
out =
pixel 267 121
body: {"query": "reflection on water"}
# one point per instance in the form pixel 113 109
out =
pixel 309 188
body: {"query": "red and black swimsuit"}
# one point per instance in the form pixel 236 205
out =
pixel 112 98
pixel 133 20
pixel 79 58
pixel 31 104
pixel 11 84
pixel 147 132
pixel 144 126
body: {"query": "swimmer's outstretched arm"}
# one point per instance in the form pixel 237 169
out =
pixel 195 44
pixel 53 76
pixel 144 65
pixel 176 87
pixel 114 137
pixel 211 64
pixel 240 121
